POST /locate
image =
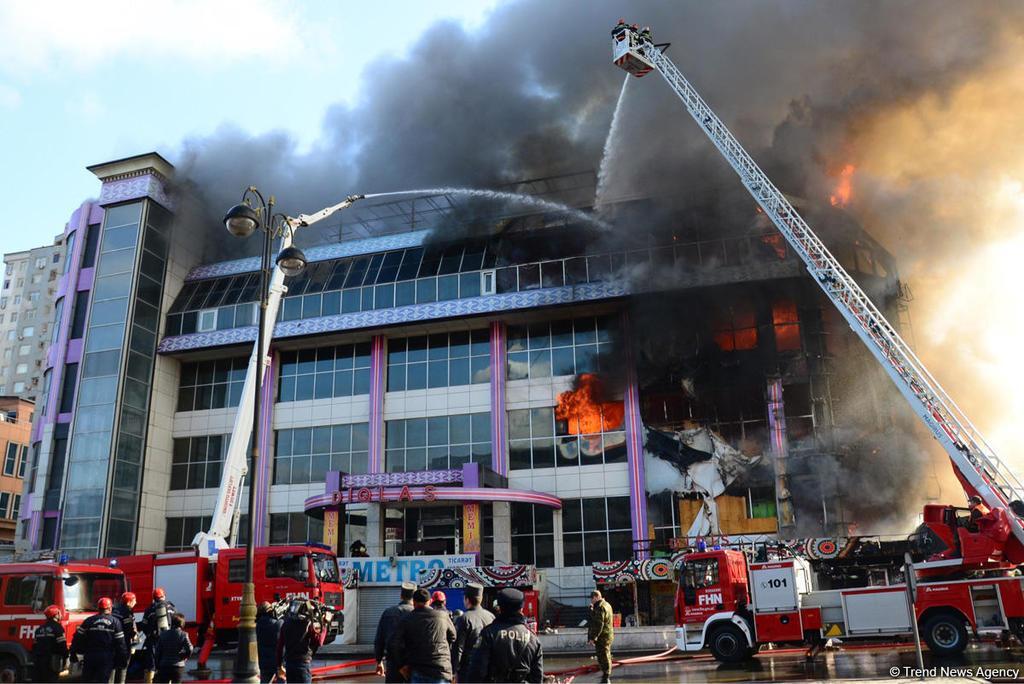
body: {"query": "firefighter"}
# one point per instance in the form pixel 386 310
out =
pixel 300 639
pixel 173 649
pixel 155 620
pixel 468 627
pixel 124 611
pixel 268 633
pixel 978 509
pixel 600 633
pixel 438 601
pixel 507 650
pixel 619 28
pixel 645 34
pixel 50 648
pixel 100 642
pixel 386 629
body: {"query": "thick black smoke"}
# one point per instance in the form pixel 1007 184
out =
pixel 531 93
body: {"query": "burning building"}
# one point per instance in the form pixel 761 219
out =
pixel 532 387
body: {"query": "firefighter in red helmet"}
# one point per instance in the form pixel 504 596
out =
pixel 100 642
pixel 50 648
pixel 125 612
pixel 155 620
pixel 619 28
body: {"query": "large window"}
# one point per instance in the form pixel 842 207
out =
pixel 735 328
pixel 342 371
pixel 442 360
pixel 536 439
pixel 295 528
pixel 11 460
pixel 438 443
pixel 181 531
pixel 197 461
pixel 596 530
pixel 541 350
pixel 307 454
pixel 533 535
pixel 786 322
pixel 211 384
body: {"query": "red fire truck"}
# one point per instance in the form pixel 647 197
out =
pixel 28 588
pixel 733 607
pixel 208 592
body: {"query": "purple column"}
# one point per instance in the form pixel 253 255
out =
pixel 378 360
pixel 264 468
pixel 499 417
pixel 635 450
pixel 780 450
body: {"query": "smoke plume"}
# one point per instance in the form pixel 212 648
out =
pixel 923 99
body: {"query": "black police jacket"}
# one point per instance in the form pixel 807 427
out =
pixel 100 639
pixel 507 652
pixel 468 627
pixel 173 648
pixel 50 647
pixel 422 641
pixel 386 628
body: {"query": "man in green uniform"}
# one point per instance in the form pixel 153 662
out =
pixel 600 633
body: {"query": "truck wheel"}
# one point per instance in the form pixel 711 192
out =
pixel 10 671
pixel 728 644
pixel 945 634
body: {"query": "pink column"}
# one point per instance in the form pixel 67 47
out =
pixel 378 366
pixel 499 428
pixel 635 450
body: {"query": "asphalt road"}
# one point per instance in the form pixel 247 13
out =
pixel 982 661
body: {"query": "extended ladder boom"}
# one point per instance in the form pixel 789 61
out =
pixel 976 464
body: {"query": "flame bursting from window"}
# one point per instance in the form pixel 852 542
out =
pixel 841 197
pixel 584 412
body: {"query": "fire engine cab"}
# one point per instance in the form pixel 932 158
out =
pixel 26 589
pixel 733 607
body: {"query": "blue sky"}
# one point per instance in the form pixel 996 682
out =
pixel 82 83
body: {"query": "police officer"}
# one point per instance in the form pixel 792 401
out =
pixel 155 620
pixel 268 633
pixel 100 641
pixel 386 629
pixel 50 648
pixel 507 650
pixel 468 626
pixel 600 632
pixel 300 639
pixel 124 612
pixel 172 651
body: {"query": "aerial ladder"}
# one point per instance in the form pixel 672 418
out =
pixel 236 462
pixel 975 463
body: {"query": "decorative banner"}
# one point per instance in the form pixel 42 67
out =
pixel 471 528
pixel 331 529
pixel 522 576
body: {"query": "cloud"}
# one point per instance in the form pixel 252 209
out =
pixel 9 97
pixel 76 35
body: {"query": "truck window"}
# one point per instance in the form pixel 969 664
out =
pixel 236 570
pixel 698 574
pixel 326 568
pixel 83 589
pixel 21 591
pixel 292 567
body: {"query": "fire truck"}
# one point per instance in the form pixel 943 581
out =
pixel 208 592
pixel 28 588
pixel 970 578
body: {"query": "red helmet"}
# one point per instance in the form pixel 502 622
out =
pixel 104 604
pixel 438 596
pixel 158 594
pixel 52 612
pixel 127 597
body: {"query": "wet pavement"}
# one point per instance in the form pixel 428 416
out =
pixel 981 661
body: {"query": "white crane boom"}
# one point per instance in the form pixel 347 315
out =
pixel 236 463
pixel 975 462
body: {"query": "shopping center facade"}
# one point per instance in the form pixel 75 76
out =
pixel 426 396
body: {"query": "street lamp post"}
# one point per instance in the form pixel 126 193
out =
pixel 243 220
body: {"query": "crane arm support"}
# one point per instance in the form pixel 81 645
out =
pixel 974 460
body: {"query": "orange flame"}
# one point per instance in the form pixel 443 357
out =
pixel 584 412
pixel 843 188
